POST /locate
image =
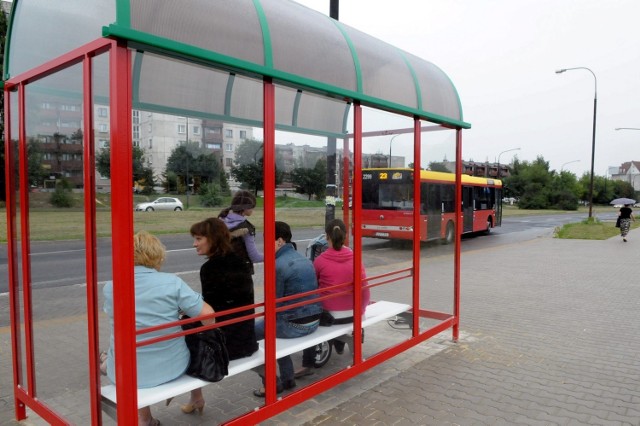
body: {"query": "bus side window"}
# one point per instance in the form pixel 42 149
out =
pixel 481 198
pixel 448 198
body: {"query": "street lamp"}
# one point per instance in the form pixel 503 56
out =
pixel 593 139
pixel 568 162
pixel 627 128
pixel 508 150
pixel 390 142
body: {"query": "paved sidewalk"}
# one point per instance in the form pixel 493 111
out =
pixel 549 337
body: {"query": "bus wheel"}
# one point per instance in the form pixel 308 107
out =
pixel 489 226
pixel 449 235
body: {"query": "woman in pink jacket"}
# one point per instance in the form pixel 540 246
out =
pixel 333 267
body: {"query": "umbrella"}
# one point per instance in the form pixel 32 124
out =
pixel 624 201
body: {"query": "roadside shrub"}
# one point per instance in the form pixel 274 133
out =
pixel 211 195
pixel 61 197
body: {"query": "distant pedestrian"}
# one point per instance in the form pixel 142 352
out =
pixel 626 216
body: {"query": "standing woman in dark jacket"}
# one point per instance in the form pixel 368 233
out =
pixel 226 284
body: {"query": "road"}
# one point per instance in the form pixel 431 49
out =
pixel 61 263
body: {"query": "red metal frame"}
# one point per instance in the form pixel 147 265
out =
pixel 122 233
pixel 124 319
pixel 417 219
pixel 28 396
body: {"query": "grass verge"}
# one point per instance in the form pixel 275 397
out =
pixel 590 229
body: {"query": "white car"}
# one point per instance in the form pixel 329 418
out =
pixel 164 203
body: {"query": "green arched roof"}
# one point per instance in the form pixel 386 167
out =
pixel 321 64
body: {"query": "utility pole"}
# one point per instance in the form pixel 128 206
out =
pixel 331 188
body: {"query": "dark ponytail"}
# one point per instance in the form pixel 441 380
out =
pixel 337 233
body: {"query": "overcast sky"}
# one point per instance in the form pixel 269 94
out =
pixel 502 55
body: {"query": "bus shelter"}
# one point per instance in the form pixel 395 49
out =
pixel 126 76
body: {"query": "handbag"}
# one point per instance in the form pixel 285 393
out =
pixel 209 359
pixel 618 222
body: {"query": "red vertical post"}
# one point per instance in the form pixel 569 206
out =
pixel 459 221
pixel 357 232
pixel 417 223
pixel 12 252
pixel 26 244
pixel 124 319
pixel 269 118
pixel 89 179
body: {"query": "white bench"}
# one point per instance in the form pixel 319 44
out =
pixel 376 312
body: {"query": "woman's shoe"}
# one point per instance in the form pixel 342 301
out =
pixel 303 372
pixel 192 407
pixel 261 393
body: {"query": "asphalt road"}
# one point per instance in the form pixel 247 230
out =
pixel 61 263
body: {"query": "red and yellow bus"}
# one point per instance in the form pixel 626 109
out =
pixel 387 204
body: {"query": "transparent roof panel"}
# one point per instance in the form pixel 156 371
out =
pixel 231 28
pixel 225 47
pixel 327 59
pixel 43 29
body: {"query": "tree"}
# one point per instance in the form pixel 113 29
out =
pixel 249 175
pixel 249 151
pixel 140 171
pixel 248 166
pixel 194 164
pixel 34 163
pixel 311 181
pixel 437 167
pixel 540 188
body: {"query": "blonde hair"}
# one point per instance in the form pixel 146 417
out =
pixel 148 250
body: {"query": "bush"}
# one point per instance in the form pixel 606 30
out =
pixel 61 197
pixel 211 195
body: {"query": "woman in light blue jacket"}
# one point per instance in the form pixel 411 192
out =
pixel 158 298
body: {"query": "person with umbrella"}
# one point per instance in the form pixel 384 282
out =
pixel 625 216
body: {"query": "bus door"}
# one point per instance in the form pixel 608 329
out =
pixel 467 208
pixel 432 194
pixel 498 204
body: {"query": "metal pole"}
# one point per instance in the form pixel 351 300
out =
pixel 568 162
pixel 593 138
pixel 508 150
pixel 188 155
pixel 390 142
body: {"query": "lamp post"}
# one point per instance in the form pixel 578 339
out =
pixel 508 150
pixel 390 142
pixel 568 162
pixel 593 139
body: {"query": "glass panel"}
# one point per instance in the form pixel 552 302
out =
pixel 6 380
pixel 437 197
pixel 327 57
pixel 229 28
pixel 190 89
pixel 439 96
pixel 389 78
pixel 56 217
pixel 386 224
pixel 43 30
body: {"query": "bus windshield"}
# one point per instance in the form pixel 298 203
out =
pixel 395 193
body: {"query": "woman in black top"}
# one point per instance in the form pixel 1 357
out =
pixel 626 216
pixel 226 284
